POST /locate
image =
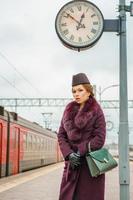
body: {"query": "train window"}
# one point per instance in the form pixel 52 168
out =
pixel 14 139
pixel 41 144
pixel 48 145
pixel 34 142
pixel 51 145
pixel 29 142
pixel 38 143
pixel 45 146
pixel 24 141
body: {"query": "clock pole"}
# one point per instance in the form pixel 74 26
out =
pixel 124 171
pixel 119 25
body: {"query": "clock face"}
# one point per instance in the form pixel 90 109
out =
pixel 79 24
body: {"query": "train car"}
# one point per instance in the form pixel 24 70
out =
pixel 25 145
pixel 3 141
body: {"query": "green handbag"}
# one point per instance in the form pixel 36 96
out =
pixel 100 161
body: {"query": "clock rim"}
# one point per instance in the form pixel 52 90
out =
pixel 72 46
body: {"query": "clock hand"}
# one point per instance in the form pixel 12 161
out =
pixel 79 23
pixel 72 17
pixel 81 19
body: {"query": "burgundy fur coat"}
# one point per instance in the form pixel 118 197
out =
pixel 77 129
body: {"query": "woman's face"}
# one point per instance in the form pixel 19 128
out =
pixel 80 94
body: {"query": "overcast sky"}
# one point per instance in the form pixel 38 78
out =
pixel 33 60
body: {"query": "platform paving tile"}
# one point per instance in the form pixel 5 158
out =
pixel 46 185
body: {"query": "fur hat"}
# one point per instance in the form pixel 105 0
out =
pixel 80 78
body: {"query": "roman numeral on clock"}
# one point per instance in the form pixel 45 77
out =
pixel 95 23
pixel 72 11
pixel 80 39
pixel 65 31
pixel 79 8
pixel 64 24
pixel 93 30
pixel 72 37
pixel 93 15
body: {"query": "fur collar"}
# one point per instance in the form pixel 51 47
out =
pixel 74 118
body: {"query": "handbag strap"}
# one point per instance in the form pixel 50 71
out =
pixel 89 147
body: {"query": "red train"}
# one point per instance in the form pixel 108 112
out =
pixel 25 145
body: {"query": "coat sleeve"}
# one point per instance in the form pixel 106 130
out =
pixel 99 131
pixel 64 142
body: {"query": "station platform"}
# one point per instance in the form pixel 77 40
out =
pixel 44 184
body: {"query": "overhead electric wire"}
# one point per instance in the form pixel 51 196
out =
pixel 12 85
pixel 22 76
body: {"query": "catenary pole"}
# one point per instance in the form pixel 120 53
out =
pixel 124 172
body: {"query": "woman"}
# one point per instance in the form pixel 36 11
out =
pixel 82 126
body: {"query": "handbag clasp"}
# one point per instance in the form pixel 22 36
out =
pixel 105 160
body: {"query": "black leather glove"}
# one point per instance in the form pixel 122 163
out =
pixel 74 159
